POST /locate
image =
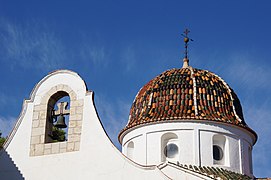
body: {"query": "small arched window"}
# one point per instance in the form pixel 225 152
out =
pixel 219 148
pixel 169 147
pixel 130 150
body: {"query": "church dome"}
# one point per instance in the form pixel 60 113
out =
pixel 186 94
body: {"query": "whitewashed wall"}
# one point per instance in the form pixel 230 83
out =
pixel 97 157
pixel 195 142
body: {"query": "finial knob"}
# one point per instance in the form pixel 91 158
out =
pixel 186 40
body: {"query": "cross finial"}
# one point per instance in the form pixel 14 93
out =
pixel 186 40
pixel 186 31
pixel 62 109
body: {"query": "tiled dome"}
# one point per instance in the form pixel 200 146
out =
pixel 186 94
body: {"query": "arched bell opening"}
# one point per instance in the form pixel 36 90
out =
pixel 57 121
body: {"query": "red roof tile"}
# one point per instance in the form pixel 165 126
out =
pixel 186 93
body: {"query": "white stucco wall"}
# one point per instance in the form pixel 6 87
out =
pixel 97 157
pixel 195 142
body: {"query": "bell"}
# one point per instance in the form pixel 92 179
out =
pixel 61 122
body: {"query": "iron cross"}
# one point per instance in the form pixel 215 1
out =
pixel 62 109
pixel 186 40
pixel 186 31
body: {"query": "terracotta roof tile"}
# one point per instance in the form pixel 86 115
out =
pixel 213 172
pixel 186 93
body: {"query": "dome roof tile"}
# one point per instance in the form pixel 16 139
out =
pixel 184 94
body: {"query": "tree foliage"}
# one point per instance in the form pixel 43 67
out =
pixel 2 140
pixel 58 135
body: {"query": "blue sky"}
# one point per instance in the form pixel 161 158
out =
pixel 118 46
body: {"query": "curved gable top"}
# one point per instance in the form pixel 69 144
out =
pixel 55 79
pixel 66 77
pixel 93 139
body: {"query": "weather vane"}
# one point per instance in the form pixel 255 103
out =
pixel 186 40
